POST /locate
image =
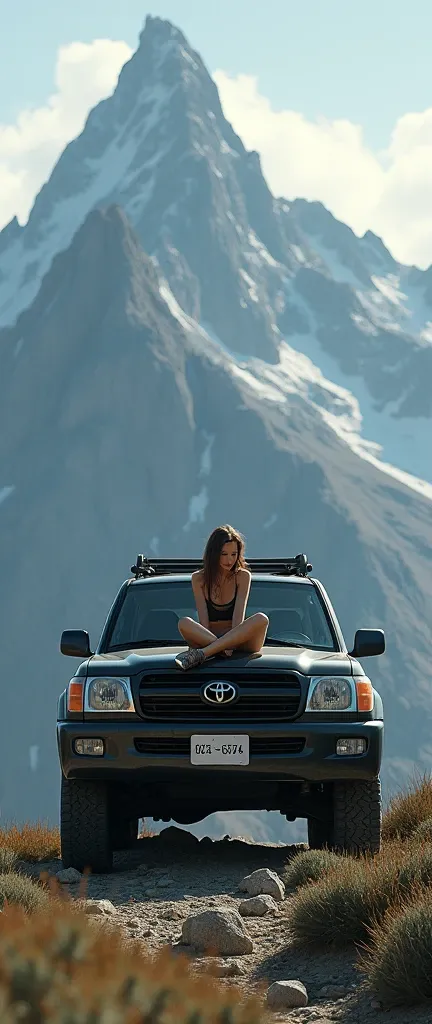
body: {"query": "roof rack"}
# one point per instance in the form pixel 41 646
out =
pixel 297 566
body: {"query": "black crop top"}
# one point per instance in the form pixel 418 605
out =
pixel 221 612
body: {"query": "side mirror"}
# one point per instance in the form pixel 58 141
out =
pixel 368 643
pixel 75 643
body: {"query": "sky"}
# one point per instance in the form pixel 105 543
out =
pixel 337 97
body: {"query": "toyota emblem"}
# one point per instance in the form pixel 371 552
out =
pixel 220 692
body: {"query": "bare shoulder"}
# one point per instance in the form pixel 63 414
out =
pixel 244 575
pixel 197 578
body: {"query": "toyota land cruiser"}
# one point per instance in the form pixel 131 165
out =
pixel 296 728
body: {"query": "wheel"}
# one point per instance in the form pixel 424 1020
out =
pixel 84 826
pixel 320 834
pixel 124 832
pixel 357 810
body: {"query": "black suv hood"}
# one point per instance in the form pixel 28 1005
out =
pixel 304 660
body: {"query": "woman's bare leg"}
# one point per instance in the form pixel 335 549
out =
pixel 250 635
pixel 195 634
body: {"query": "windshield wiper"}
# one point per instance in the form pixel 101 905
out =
pixel 149 642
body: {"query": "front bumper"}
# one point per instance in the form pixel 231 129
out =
pixel 317 762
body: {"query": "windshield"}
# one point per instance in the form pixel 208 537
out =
pixel 150 613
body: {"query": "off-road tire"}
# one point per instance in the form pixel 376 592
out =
pixel 357 811
pixel 84 826
pixel 320 834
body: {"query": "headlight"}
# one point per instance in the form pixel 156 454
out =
pixel 109 695
pixel 331 693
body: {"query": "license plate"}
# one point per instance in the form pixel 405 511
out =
pixel 219 749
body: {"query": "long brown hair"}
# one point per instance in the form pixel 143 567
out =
pixel 211 558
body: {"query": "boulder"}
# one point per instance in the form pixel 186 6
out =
pixel 217 932
pixel 285 995
pixel 257 906
pixel 263 882
pixel 69 876
pixel 178 837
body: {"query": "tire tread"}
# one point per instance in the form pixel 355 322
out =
pixel 357 816
pixel 84 826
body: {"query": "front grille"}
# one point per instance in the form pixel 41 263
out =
pixel 269 746
pixel 263 699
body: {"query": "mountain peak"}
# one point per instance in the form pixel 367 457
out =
pixel 160 30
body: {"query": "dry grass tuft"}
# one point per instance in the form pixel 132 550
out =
pixel 8 860
pixel 398 959
pixel 62 970
pixel 22 891
pixel 309 866
pixel 408 810
pixel 31 843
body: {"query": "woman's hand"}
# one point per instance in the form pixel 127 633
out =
pixel 228 653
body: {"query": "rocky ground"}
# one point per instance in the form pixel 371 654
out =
pixel 171 877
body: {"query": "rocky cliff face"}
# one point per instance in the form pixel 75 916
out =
pixel 125 427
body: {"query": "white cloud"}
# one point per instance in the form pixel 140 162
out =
pixel 389 192
pixel 85 74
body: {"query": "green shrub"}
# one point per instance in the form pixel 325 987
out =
pixel 56 967
pixel 423 832
pixel 309 866
pixel 8 860
pixel 408 810
pixel 20 890
pixel 398 961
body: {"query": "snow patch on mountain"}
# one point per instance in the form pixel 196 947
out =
pixel 299 375
pixel 397 305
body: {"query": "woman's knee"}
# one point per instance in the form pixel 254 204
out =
pixel 185 623
pixel 261 619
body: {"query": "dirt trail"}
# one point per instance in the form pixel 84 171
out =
pixel 164 879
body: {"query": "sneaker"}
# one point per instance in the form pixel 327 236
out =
pixel 192 658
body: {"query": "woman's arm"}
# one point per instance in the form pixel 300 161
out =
pixel 244 582
pixel 200 600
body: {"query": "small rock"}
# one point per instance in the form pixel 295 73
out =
pixel 172 914
pixel 68 876
pixel 376 1004
pixel 217 932
pixel 263 881
pixel 99 908
pixel 142 869
pixel 134 923
pixel 257 906
pixel 151 893
pixel 222 968
pixel 177 836
pixel 285 995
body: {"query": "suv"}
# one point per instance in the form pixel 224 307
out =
pixel 297 728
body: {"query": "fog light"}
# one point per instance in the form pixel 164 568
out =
pixel 90 747
pixel 348 747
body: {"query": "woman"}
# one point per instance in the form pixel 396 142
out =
pixel 221 591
